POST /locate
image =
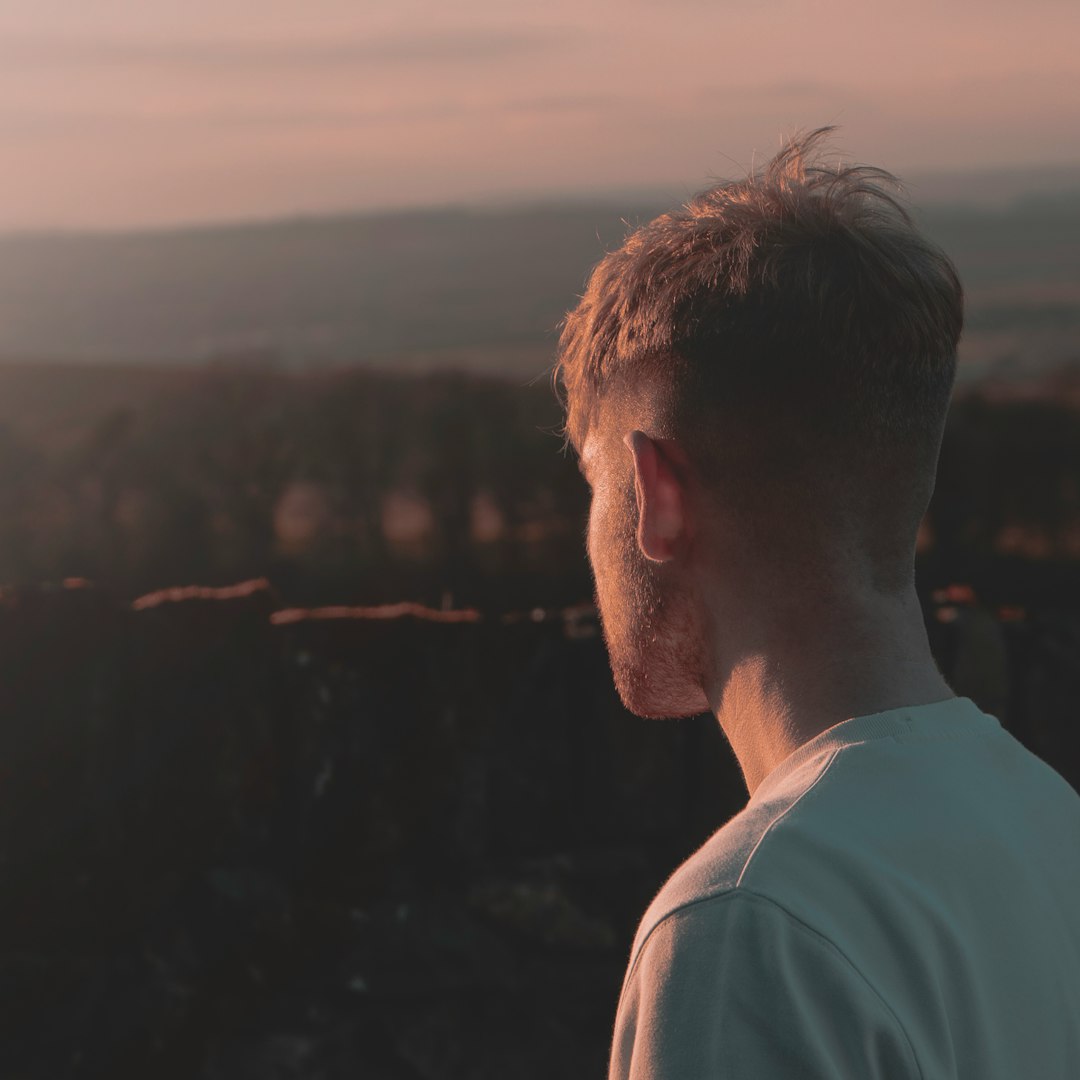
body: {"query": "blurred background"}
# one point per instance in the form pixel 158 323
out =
pixel 311 761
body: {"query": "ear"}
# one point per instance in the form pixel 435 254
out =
pixel 661 501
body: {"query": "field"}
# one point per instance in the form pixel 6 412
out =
pixel 260 818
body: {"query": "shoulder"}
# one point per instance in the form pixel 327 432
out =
pixel 736 981
pixel 722 862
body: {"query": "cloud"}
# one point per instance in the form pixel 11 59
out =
pixel 438 47
pixel 569 103
pixel 42 124
pixel 775 93
pixel 21 123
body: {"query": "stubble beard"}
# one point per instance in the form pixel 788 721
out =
pixel 653 642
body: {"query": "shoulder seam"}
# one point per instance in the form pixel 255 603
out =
pixel 780 817
pixel 746 862
pixel 741 891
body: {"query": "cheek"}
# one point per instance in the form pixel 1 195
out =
pixel 590 533
pixel 607 538
pixel 598 531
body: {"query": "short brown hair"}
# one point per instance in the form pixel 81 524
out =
pixel 802 298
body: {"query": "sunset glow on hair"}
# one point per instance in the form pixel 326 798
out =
pixel 805 273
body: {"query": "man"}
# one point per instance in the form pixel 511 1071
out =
pixel 757 387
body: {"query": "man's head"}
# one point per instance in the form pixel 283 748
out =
pixel 757 385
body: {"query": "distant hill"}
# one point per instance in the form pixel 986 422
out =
pixel 992 188
pixel 321 290
pixel 457 287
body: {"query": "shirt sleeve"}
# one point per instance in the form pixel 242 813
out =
pixel 736 988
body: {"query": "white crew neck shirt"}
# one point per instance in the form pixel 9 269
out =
pixel 900 898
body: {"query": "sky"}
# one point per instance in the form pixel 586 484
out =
pixel 134 113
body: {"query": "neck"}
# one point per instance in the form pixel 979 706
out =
pixel 811 663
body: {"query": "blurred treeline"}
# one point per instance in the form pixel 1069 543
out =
pixel 339 486
pixel 359 486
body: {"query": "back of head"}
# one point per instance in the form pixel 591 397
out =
pixel 796 334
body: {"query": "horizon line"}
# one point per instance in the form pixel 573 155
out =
pixel 507 201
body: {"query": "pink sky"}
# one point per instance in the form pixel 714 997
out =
pixel 131 112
